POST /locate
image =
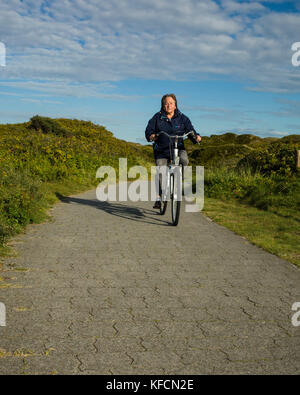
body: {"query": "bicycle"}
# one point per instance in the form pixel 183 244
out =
pixel 172 190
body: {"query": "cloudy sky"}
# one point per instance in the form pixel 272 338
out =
pixel 109 61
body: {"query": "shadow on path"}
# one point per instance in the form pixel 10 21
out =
pixel 118 209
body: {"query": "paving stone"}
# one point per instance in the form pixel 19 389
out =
pixel 112 288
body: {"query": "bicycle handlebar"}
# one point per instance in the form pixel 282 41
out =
pixel 179 135
pixel 176 136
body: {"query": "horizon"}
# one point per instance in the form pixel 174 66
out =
pixel 148 143
pixel 233 64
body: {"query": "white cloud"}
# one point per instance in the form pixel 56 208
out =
pixel 92 41
pixel 243 8
pixel 61 88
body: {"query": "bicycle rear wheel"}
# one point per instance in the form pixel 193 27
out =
pixel 175 202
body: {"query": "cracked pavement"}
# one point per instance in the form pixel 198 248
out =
pixel 111 288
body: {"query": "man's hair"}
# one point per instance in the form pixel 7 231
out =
pixel 163 99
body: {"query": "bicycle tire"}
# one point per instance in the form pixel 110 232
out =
pixel 164 201
pixel 163 207
pixel 182 179
pixel 175 204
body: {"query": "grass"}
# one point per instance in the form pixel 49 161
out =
pixel 277 230
pixel 262 208
pixel 17 353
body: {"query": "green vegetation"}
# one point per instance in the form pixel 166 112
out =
pixel 44 157
pixel 264 209
pixel 251 184
pixel 228 149
pixel 255 189
pixel 277 231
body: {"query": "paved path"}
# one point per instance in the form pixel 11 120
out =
pixel 111 288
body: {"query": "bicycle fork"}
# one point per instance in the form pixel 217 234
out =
pixel 173 183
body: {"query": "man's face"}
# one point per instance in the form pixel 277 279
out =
pixel 170 105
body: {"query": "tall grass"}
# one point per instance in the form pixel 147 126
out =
pixel 263 208
pixel 255 189
pixel 21 201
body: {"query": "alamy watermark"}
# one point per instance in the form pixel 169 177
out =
pixel 138 188
pixel 296 55
pixel 296 316
pixel 2 55
pixel 2 314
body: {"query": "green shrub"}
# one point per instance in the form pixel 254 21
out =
pixel 20 201
pixel 48 125
pixel 292 138
pixel 255 189
pixel 277 158
pixel 218 156
pixel 246 139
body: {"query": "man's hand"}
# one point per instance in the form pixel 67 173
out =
pixel 152 137
pixel 198 138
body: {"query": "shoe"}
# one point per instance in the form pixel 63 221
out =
pixel 157 204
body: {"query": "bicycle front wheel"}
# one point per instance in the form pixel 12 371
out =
pixel 175 202
pixel 163 207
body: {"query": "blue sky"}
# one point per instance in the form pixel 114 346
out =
pixel 227 61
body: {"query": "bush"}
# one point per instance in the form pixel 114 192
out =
pixel 246 139
pixel 218 156
pixel 255 189
pixel 48 125
pixel 20 201
pixel 277 158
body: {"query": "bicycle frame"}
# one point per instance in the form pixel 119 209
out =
pixel 175 160
pixel 172 191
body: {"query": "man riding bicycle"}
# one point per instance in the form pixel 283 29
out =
pixel 170 120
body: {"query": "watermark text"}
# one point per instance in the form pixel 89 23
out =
pixel 296 55
pixel 2 314
pixel 161 184
pixel 296 316
pixel 2 55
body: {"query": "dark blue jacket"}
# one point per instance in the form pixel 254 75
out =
pixel 179 124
